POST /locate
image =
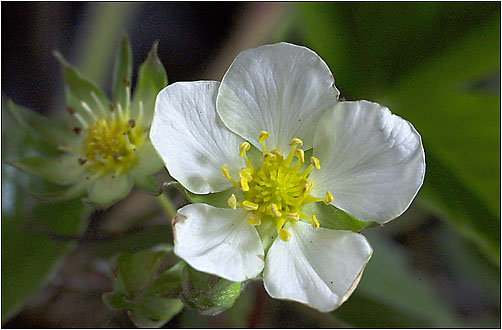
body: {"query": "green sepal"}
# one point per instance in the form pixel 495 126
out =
pixel 79 89
pixel 106 190
pixel 63 170
pixel 154 307
pixel 210 294
pixel 168 279
pixel 152 78
pixel 147 286
pixel 134 271
pixel 333 218
pixel 53 132
pixel 77 190
pixel 219 199
pixel 147 183
pixel 149 161
pixel 122 72
pixel 116 301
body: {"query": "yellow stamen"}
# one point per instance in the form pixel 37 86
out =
pixel 300 154
pixel 315 223
pixel 268 157
pixel 226 172
pixel 243 147
pixel 307 185
pixel 275 210
pixel 277 153
pixel 263 136
pixel 253 219
pixel 329 198
pixel 243 184
pixel 295 142
pixel 250 206
pixel 232 201
pixel 294 215
pixel 246 173
pixel 315 162
pixel 284 235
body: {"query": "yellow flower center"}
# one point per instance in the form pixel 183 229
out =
pixel 111 140
pixel 111 144
pixel 278 189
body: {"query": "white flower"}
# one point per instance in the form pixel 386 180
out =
pixel 366 161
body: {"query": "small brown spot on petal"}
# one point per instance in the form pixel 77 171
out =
pixel 112 107
pixel 77 130
pixel 132 123
pixel 82 161
pixel 126 82
pixel 70 110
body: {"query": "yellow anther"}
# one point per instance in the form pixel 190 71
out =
pixel 253 219
pixel 250 206
pixel 284 235
pixel 226 172
pixel 315 223
pixel 329 198
pixel 232 201
pixel 300 154
pixel 294 215
pixel 243 147
pixel 277 153
pixel 315 162
pixel 307 185
pixel 275 210
pixel 268 157
pixel 243 183
pixel 246 173
pixel 263 136
pixel 295 142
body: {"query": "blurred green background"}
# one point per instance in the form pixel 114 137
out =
pixel 435 64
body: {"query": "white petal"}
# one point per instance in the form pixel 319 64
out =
pixel 218 241
pixel 191 139
pixel 282 88
pixel 372 161
pixel 319 268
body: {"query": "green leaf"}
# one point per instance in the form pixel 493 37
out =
pixel 109 189
pixel 32 233
pixel 122 72
pixel 29 254
pixel 151 79
pixel 135 271
pixel 334 218
pixel 387 276
pixel 209 294
pixel 463 167
pixel 51 131
pixel 63 170
pixel 79 89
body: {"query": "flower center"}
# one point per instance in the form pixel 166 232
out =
pixel 278 189
pixel 111 143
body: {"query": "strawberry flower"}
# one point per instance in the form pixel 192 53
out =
pixel 104 146
pixel 274 140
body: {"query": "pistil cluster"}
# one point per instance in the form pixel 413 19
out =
pixel 278 189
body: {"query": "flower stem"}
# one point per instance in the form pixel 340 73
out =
pixel 166 205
